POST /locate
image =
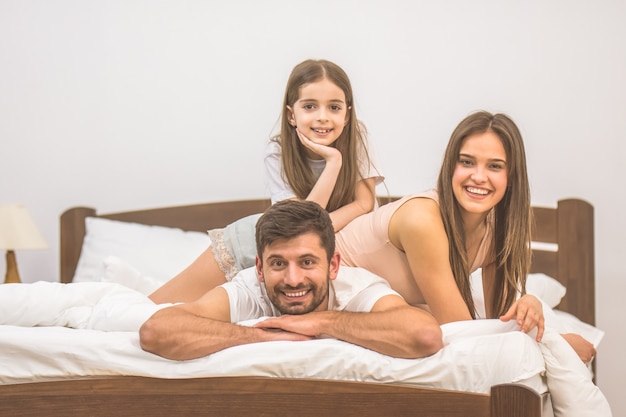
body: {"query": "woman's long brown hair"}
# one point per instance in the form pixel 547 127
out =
pixel 512 218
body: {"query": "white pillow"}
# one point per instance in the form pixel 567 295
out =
pixel 572 390
pixel 542 286
pixel 571 324
pixel 118 271
pixel 546 288
pixel 159 252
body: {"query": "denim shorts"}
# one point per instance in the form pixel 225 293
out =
pixel 234 246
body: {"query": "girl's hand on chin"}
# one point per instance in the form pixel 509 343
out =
pixel 326 152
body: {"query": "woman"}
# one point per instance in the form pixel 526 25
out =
pixel 427 245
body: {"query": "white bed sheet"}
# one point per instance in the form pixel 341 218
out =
pixel 468 364
pixel 103 340
pixel 51 331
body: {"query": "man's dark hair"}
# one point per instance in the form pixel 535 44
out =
pixel 288 219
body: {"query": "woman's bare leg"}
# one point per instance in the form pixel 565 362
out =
pixel 202 275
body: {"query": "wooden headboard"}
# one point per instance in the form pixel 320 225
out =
pixel 197 217
pixel 569 227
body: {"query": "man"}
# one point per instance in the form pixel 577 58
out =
pixel 298 284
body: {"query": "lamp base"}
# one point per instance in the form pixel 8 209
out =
pixel 12 276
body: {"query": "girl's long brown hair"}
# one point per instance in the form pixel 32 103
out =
pixel 351 143
pixel 512 217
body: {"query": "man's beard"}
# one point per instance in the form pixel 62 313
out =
pixel 320 294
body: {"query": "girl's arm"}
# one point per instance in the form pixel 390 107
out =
pixel 363 203
pixel 417 229
pixel 364 200
pixel 323 188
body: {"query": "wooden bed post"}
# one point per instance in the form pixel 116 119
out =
pixel 576 268
pixel 72 234
pixel 515 400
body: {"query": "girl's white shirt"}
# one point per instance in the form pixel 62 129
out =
pixel 281 190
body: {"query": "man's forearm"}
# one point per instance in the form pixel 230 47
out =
pixel 177 334
pixel 404 332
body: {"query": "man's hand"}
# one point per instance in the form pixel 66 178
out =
pixel 304 325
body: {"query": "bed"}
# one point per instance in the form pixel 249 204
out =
pixel 565 251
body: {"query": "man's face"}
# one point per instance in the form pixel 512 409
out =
pixel 296 274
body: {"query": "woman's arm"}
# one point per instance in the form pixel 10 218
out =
pixel 528 313
pixel 417 229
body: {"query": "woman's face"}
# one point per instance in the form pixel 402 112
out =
pixel 480 176
pixel 321 112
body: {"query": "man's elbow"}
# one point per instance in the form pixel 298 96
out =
pixel 433 340
pixel 149 336
pixel 428 340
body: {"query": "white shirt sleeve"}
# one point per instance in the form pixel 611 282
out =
pixel 369 170
pixel 279 188
pixel 357 289
pixel 247 297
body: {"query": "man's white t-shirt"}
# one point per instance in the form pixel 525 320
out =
pixel 354 289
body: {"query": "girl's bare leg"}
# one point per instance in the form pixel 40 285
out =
pixel 202 275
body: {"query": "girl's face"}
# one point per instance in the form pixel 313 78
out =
pixel 321 112
pixel 480 177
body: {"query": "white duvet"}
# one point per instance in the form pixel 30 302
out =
pixel 51 331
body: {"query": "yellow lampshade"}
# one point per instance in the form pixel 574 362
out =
pixel 17 231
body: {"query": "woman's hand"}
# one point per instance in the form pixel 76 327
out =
pixel 528 313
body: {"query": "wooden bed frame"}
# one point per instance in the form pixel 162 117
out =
pixel 569 225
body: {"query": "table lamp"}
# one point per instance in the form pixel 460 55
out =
pixel 17 231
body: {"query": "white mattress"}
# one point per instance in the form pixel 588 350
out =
pixel 37 343
pixel 467 363
pixel 51 331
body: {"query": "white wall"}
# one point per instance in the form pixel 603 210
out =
pixel 124 104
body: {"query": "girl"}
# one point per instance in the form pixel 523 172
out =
pixel 320 155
